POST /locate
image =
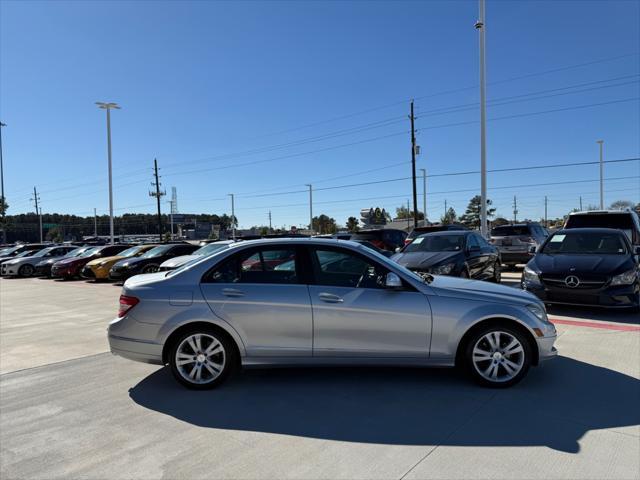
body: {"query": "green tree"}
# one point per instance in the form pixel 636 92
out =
pixel 352 224
pixel 500 221
pixel 324 224
pixel 403 212
pixel 449 217
pixel 621 204
pixel 471 217
pixel 4 206
pixel 264 230
pixel 55 235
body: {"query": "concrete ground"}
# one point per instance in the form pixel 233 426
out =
pixel 69 409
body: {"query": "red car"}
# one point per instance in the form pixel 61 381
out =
pixel 70 267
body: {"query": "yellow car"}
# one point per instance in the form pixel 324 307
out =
pixel 98 269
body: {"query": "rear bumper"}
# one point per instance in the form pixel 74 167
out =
pixel 140 351
pixel 515 257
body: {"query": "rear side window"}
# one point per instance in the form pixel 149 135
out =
pixel 268 265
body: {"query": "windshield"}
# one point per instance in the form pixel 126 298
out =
pixel 89 252
pixel 602 220
pixel 129 252
pixel 75 252
pixel 510 230
pixel 436 243
pixel 210 249
pixel 157 251
pixel 26 253
pixel 43 252
pixel 577 243
pixel 10 250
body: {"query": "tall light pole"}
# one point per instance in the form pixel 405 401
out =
pixel 108 106
pixel 233 217
pixel 170 202
pixel 600 142
pixel 480 26
pixel 4 231
pixel 424 194
pixel 310 206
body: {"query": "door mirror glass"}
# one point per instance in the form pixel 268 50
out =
pixel 392 280
pixel 532 249
pixel 398 249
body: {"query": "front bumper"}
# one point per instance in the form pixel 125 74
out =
pixel 43 270
pixel 546 350
pixel 8 270
pixel 87 272
pixel 119 274
pixel 622 296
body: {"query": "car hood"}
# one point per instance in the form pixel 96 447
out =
pixel 413 260
pixel 482 291
pixel 113 259
pixel 175 262
pixel 69 261
pixel 563 264
pixel 17 261
pixel 136 261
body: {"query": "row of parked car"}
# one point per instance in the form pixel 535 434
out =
pixel 593 260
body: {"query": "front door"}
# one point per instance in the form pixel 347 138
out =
pixel 355 315
pixel 267 305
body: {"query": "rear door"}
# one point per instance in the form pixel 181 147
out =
pixel 265 301
pixel 355 315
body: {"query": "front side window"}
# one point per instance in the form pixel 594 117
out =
pixel 267 265
pixel 341 268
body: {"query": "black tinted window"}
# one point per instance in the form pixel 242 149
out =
pixel 511 230
pixel 341 268
pixel 268 265
pixel 603 220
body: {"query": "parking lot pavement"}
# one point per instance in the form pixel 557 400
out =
pixel 100 416
pixel 44 321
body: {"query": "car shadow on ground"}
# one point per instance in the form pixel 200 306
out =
pixel 554 406
pixel 593 313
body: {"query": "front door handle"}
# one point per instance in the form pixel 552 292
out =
pixel 232 292
pixel 330 298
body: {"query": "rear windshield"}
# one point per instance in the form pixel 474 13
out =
pixel 621 221
pixel 367 236
pixel 510 230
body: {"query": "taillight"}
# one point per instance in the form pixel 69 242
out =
pixel 407 241
pixel 126 304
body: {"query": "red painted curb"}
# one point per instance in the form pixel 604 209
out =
pixel 605 326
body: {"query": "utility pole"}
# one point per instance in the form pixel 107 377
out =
pixel 546 225
pixel 424 194
pixel 233 217
pixel 158 194
pixel 310 206
pixel 480 26
pixel 270 229
pixel 95 222
pixel 445 208
pixel 36 199
pixel 580 202
pixel 170 202
pixel 408 215
pixel 413 168
pixel 108 106
pixel 600 142
pixel 515 209
pixel 4 225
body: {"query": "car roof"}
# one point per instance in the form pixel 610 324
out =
pixel 626 211
pixel 565 231
pixel 447 232
pixel 297 241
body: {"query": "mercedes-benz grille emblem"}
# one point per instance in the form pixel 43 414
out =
pixel 572 281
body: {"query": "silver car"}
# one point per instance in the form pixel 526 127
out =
pixel 24 265
pixel 209 249
pixel 324 302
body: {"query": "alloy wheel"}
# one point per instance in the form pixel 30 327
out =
pixel 26 270
pixel 200 358
pixel 498 356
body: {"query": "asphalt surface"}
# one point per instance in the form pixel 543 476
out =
pixel 69 409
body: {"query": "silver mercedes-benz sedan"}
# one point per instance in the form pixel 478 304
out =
pixel 324 302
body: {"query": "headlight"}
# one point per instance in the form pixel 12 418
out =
pixel 443 269
pixel 626 278
pixel 538 311
pixel 531 277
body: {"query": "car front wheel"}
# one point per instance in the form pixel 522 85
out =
pixel 498 356
pixel 201 359
pixel 26 270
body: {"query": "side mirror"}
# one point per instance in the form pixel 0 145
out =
pixel 392 280
pixel 532 249
pixel 398 249
pixel 636 250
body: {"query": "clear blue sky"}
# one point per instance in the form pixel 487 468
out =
pixel 205 86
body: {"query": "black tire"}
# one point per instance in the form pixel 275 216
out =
pixel 526 356
pixel 229 351
pixel 464 273
pixel 151 268
pixel 26 270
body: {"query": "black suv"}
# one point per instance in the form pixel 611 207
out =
pixel 516 241
pixel 626 220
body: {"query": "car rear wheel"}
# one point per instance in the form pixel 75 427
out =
pixel 498 356
pixel 202 359
pixel 26 270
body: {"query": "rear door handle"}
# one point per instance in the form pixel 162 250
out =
pixel 232 292
pixel 330 298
